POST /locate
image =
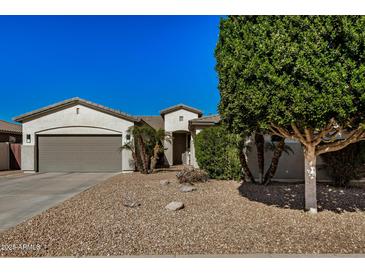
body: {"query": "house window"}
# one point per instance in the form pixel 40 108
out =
pixel 128 137
pixel 181 118
pixel 77 110
pixel 28 138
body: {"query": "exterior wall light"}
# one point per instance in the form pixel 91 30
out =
pixel 28 138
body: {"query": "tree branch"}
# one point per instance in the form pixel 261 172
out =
pixel 298 134
pixel 274 132
pixel 281 131
pixel 330 127
pixel 355 136
pixel 308 134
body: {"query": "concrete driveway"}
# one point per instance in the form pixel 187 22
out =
pixel 24 196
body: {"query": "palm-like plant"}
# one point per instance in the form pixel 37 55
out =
pixel 260 149
pixel 277 145
pixel 129 145
pixel 159 137
pixel 146 147
pixel 243 146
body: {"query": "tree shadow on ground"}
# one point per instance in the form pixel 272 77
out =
pixel 285 195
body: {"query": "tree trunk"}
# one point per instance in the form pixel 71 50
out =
pixel 155 157
pixel 310 179
pixel 275 161
pixel 135 159
pixel 142 148
pixel 260 147
pixel 137 153
pixel 245 168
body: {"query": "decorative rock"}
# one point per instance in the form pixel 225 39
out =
pixel 175 206
pixel 187 188
pixel 164 182
pixel 131 204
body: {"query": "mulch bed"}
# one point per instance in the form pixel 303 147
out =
pixel 220 217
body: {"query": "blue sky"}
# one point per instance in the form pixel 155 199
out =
pixel 137 64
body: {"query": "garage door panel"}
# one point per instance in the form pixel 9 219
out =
pixel 79 153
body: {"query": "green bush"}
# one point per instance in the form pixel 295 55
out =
pixel 216 152
pixel 345 165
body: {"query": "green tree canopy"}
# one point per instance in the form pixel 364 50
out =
pixel 300 77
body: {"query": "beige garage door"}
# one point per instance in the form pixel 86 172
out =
pixel 79 153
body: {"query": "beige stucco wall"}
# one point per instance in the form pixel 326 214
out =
pixel 172 123
pixel 194 131
pixel 193 161
pixel 4 156
pixel 67 121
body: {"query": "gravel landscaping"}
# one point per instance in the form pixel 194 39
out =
pixel 126 215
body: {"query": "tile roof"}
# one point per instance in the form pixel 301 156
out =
pixel 6 127
pixel 70 102
pixel 211 119
pixel 156 122
pixel 181 106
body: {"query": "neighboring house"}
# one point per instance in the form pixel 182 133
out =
pixel 10 139
pixel 10 132
pixel 79 135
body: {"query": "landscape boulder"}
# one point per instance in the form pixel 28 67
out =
pixel 131 203
pixel 175 206
pixel 165 182
pixel 187 188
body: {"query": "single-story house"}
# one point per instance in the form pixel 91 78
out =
pixel 79 135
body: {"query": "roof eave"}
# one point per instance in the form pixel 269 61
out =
pixel 178 107
pixel 202 123
pixel 10 132
pixel 71 102
pixel 193 124
pixel 42 111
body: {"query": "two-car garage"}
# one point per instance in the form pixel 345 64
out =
pixel 79 153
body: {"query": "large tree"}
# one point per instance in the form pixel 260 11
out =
pixel 299 77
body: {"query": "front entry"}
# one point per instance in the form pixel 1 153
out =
pixel 181 148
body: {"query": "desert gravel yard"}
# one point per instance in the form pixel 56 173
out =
pixel 220 217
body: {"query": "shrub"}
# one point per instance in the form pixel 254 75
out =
pixel 217 153
pixel 345 165
pixel 191 175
